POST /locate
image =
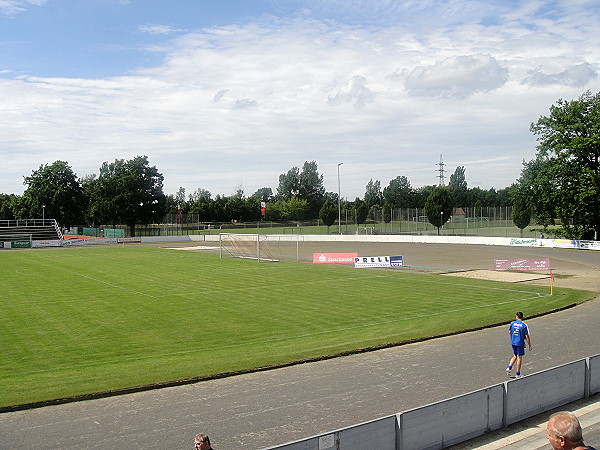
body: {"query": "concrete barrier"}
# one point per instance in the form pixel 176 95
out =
pixel 451 421
pixel 525 397
pixel 376 434
pixel 454 420
pixel 594 375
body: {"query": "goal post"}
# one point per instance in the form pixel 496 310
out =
pixel 250 246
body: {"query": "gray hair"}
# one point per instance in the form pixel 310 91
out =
pixel 565 424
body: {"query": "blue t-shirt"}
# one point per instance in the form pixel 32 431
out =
pixel 518 331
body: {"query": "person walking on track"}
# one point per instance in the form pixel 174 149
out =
pixel 519 335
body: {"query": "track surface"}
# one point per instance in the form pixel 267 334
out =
pixel 262 409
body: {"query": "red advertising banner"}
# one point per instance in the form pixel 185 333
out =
pixel 334 258
pixel 522 264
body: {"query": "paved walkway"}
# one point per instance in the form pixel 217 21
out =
pixel 531 434
pixel 263 409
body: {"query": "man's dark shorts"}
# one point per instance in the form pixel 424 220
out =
pixel 518 351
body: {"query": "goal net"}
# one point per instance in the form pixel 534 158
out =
pixel 251 246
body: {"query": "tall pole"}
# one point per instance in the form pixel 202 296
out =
pixel 339 202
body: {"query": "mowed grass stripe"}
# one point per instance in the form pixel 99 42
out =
pixel 83 320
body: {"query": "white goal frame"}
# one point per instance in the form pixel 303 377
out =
pixel 242 245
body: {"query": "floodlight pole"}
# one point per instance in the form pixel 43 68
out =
pixel 339 201
pixel 43 215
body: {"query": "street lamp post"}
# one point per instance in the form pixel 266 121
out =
pixel 43 215
pixel 339 201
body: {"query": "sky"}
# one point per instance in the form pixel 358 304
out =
pixel 227 95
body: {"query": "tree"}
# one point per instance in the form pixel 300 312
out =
pixel 521 214
pixel 387 212
pixel 7 206
pixel 311 188
pixel 458 186
pixel 295 208
pixel 399 193
pixel 566 171
pixel 264 194
pixel 130 192
pixel 361 210
pixel 289 184
pixel 54 191
pixel 328 214
pixel 373 195
pixel 438 207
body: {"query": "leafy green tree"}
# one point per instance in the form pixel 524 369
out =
pixel 328 214
pixel 399 193
pixel 521 214
pixel 438 207
pixel 567 178
pixel 374 212
pixel 289 184
pixel 458 186
pixel 200 194
pixel 54 191
pixel 129 192
pixel 421 195
pixel 361 210
pixel 234 209
pixel 478 207
pixel 264 194
pixel 8 204
pixel 251 210
pixel 274 211
pixel 311 188
pixel 295 208
pixel 387 212
pixel 373 195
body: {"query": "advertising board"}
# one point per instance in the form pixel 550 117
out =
pixel 522 264
pixel 334 258
pixel 378 261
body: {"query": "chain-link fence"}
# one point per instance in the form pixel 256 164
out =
pixel 485 221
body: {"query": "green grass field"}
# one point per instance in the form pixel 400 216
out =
pixel 82 320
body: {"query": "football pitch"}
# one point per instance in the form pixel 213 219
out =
pixel 77 321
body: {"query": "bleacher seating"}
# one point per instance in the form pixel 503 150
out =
pixel 29 229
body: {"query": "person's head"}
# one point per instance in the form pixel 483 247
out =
pixel 520 315
pixel 564 431
pixel 202 442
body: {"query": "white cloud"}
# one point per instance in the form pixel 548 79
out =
pixel 575 76
pixel 159 29
pixel 459 76
pixel 12 7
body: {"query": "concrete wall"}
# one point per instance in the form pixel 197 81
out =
pixel 451 421
pixel 459 240
pixel 464 417
pixel 542 391
pixel 594 375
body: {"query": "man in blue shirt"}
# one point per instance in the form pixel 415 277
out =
pixel 519 334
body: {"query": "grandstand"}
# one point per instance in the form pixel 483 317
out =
pixel 29 230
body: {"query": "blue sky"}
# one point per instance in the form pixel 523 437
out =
pixel 227 94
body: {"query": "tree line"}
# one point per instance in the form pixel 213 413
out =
pixel 560 187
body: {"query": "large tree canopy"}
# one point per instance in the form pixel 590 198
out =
pixel 55 192
pixel 565 176
pixel 438 207
pixel 129 192
pixel 458 186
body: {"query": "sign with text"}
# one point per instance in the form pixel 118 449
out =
pixel 522 264
pixel 334 258
pixel 378 261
